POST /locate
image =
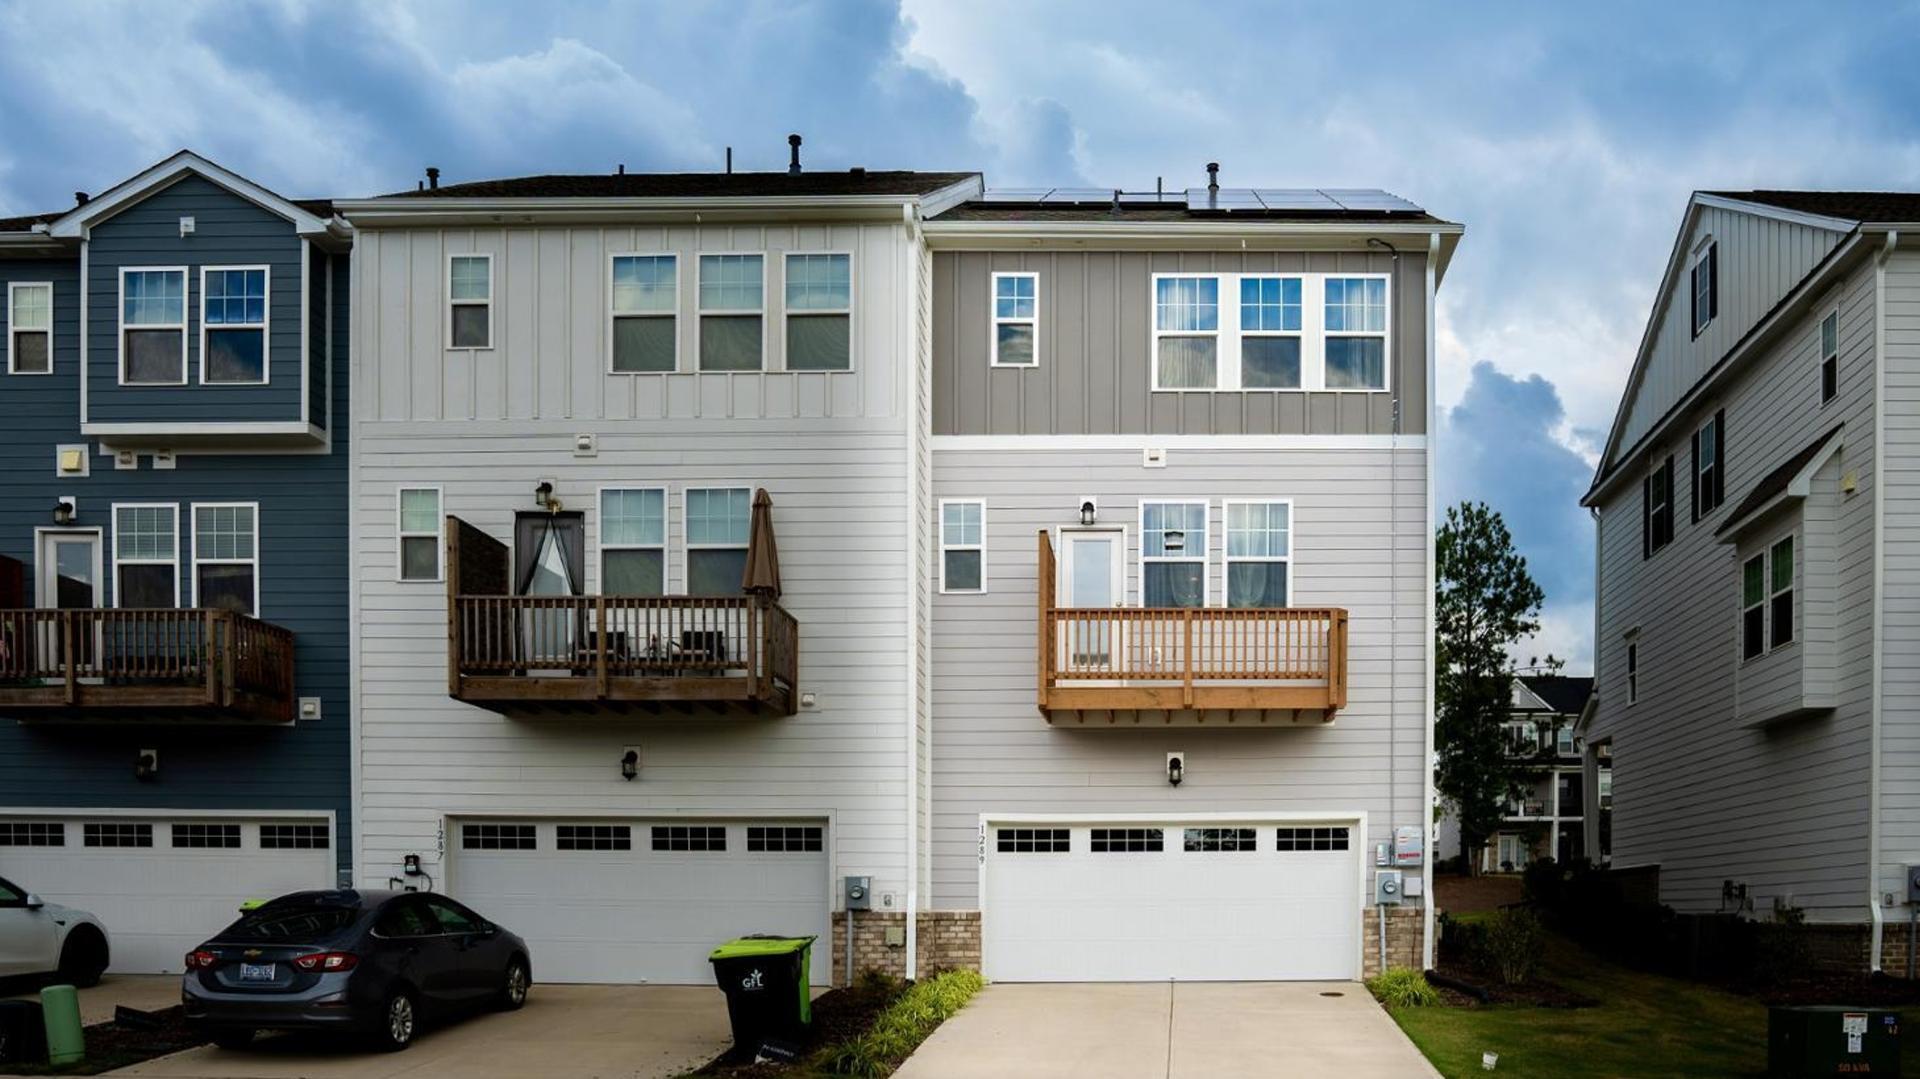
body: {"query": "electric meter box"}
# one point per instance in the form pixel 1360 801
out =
pixel 1913 884
pixel 859 893
pixel 1409 845
pixel 1387 887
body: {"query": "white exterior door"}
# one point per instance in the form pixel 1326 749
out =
pixel 1157 901
pixel 164 884
pixel 1092 574
pixel 632 901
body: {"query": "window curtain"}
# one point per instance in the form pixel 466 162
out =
pixel 1257 584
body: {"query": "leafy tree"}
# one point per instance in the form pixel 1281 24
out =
pixel 1484 601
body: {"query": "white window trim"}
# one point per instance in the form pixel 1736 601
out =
pixel 1226 545
pixel 401 535
pixel 994 321
pixel 21 286
pixel 1793 588
pixel 1819 355
pixel 601 546
pixel 687 546
pixel 700 310
pixel 451 303
pixel 613 315
pixel 258 535
pixel 1205 558
pixel 120 317
pixel 785 314
pixel 113 555
pixel 1700 485
pixel 1660 469
pixel 266 326
pixel 1313 333
pixel 941 524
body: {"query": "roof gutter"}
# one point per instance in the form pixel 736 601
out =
pixel 1245 233
pixel 511 211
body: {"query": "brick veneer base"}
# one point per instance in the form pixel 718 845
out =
pixel 949 940
pixel 1405 939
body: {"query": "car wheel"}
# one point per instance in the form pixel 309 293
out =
pixel 231 1038
pixel 513 988
pixel 83 958
pixel 397 1023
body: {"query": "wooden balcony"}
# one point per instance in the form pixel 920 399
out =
pixel 1188 665
pixel 529 655
pixel 195 664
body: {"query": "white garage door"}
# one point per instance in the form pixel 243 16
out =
pixel 163 884
pixel 629 901
pixel 1158 901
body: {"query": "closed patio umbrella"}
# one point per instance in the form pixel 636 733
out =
pixel 763 558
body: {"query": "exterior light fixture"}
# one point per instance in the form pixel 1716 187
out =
pixel 1176 768
pixel 630 764
pixel 65 510
pixel 1089 512
pixel 543 497
pixel 146 764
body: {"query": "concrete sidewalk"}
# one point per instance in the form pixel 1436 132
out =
pixel 147 992
pixel 1189 1030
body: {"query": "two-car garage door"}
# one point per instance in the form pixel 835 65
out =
pixel 1153 901
pixel 625 901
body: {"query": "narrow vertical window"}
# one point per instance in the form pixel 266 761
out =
pixel 226 563
pixel 1709 465
pixel 421 537
pixel 233 325
pixel 1706 288
pixel 1186 333
pixel 819 312
pixel 1829 357
pixel 470 301
pixel 153 327
pixel 1633 671
pixel 633 541
pixel 1270 333
pixel 963 546
pixel 1173 554
pixel 1780 593
pixel 30 328
pixel 1259 553
pixel 1356 328
pixel 146 555
pixel 1016 319
pixel 732 310
pixel 646 297
pixel 1753 607
pixel 1656 509
pixel 717 525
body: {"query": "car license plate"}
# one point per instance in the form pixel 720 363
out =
pixel 256 972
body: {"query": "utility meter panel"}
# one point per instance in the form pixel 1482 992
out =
pixel 1913 884
pixel 859 893
pixel 1387 887
pixel 1409 845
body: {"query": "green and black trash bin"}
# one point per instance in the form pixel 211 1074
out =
pixel 765 979
pixel 1824 1040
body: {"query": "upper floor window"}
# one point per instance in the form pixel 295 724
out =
pixel 226 556
pixel 1563 741
pixel 633 541
pixel 233 324
pixel 1706 287
pixel 1186 333
pixel 1709 465
pixel 1829 357
pixel 1766 600
pixel 732 308
pixel 30 328
pixel 1633 670
pixel 420 533
pixel 819 312
pixel 153 327
pixel 470 301
pixel 1259 553
pixel 1356 333
pixel 718 521
pixel 1656 508
pixel 646 297
pixel 146 555
pixel 1016 319
pixel 1270 329
pixel 1173 554
pixel 963 546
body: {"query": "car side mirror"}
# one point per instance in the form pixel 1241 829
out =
pixel 34 902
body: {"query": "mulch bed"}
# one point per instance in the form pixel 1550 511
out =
pixel 838 1015
pixel 1538 993
pixel 113 1044
pixel 1867 991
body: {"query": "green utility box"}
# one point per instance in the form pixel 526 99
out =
pixel 767 986
pixel 1827 1040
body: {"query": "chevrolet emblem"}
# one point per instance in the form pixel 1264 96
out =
pixel 253 953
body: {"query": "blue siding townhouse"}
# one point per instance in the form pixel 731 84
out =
pixel 174 729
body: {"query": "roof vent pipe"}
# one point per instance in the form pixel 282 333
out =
pixel 793 164
pixel 1213 177
pixel 621 169
pixel 433 178
pixel 80 198
pixel 729 161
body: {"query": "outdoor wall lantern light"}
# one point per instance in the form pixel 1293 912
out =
pixel 146 764
pixel 1088 512
pixel 630 765
pixel 1176 768
pixel 543 497
pixel 64 511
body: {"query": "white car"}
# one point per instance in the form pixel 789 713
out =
pixel 37 937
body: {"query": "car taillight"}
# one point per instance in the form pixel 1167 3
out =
pixel 327 961
pixel 201 960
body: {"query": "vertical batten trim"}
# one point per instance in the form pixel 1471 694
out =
pixel 1427 676
pixel 1879 595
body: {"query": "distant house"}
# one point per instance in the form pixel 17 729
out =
pixel 1547 818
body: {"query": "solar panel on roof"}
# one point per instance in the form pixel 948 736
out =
pixel 1371 199
pixel 1230 199
pixel 1066 196
pixel 1295 198
pixel 1021 195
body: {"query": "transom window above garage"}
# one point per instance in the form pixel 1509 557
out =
pixel 1219 839
pixel 1032 840
pixel 497 836
pixel 1127 840
pixel 207 836
pixel 593 837
pixel 33 833
pixel 784 839
pixel 690 837
pixel 1316 838
pixel 293 837
pixel 117 835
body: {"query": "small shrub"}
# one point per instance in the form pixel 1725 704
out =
pixel 905 1023
pixel 1512 945
pixel 1403 987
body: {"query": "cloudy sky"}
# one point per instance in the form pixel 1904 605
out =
pixel 1566 137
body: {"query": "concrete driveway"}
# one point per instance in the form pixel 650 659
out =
pixel 1188 1030
pixel 565 1031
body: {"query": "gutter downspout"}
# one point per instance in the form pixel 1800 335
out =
pixel 1426 759
pixel 1879 595
pixel 914 584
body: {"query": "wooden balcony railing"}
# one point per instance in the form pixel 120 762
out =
pixel 195 662
pixel 1187 659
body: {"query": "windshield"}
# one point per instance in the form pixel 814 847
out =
pixel 294 925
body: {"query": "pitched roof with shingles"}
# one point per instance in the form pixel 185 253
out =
pixel 25 222
pixel 1866 206
pixel 695 185
pixel 1564 694
pixel 1773 483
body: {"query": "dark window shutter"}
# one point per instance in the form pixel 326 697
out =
pixel 1719 457
pixel 1713 282
pixel 1696 477
pixel 1693 301
pixel 1646 517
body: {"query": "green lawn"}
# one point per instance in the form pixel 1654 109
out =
pixel 1646 1026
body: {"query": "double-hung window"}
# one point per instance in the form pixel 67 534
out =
pixel 1259 553
pixel 1780 593
pixel 1656 508
pixel 718 519
pixel 732 309
pixel 1829 356
pixel 646 297
pixel 226 556
pixel 1766 600
pixel 963 546
pixel 1270 333
pixel 1705 287
pixel 420 533
pixel 470 301
pixel 1633 670
pixel 30 328
pixel 146 555
pixel 1356 319
pixel 1709 465
pixel 233 324
pixel 633 541
pixel 1173 554
pixel 153 326
pixel 1186 333
pixel 1016 320
pixel 819 312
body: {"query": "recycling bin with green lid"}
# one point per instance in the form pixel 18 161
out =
pixel 765 979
